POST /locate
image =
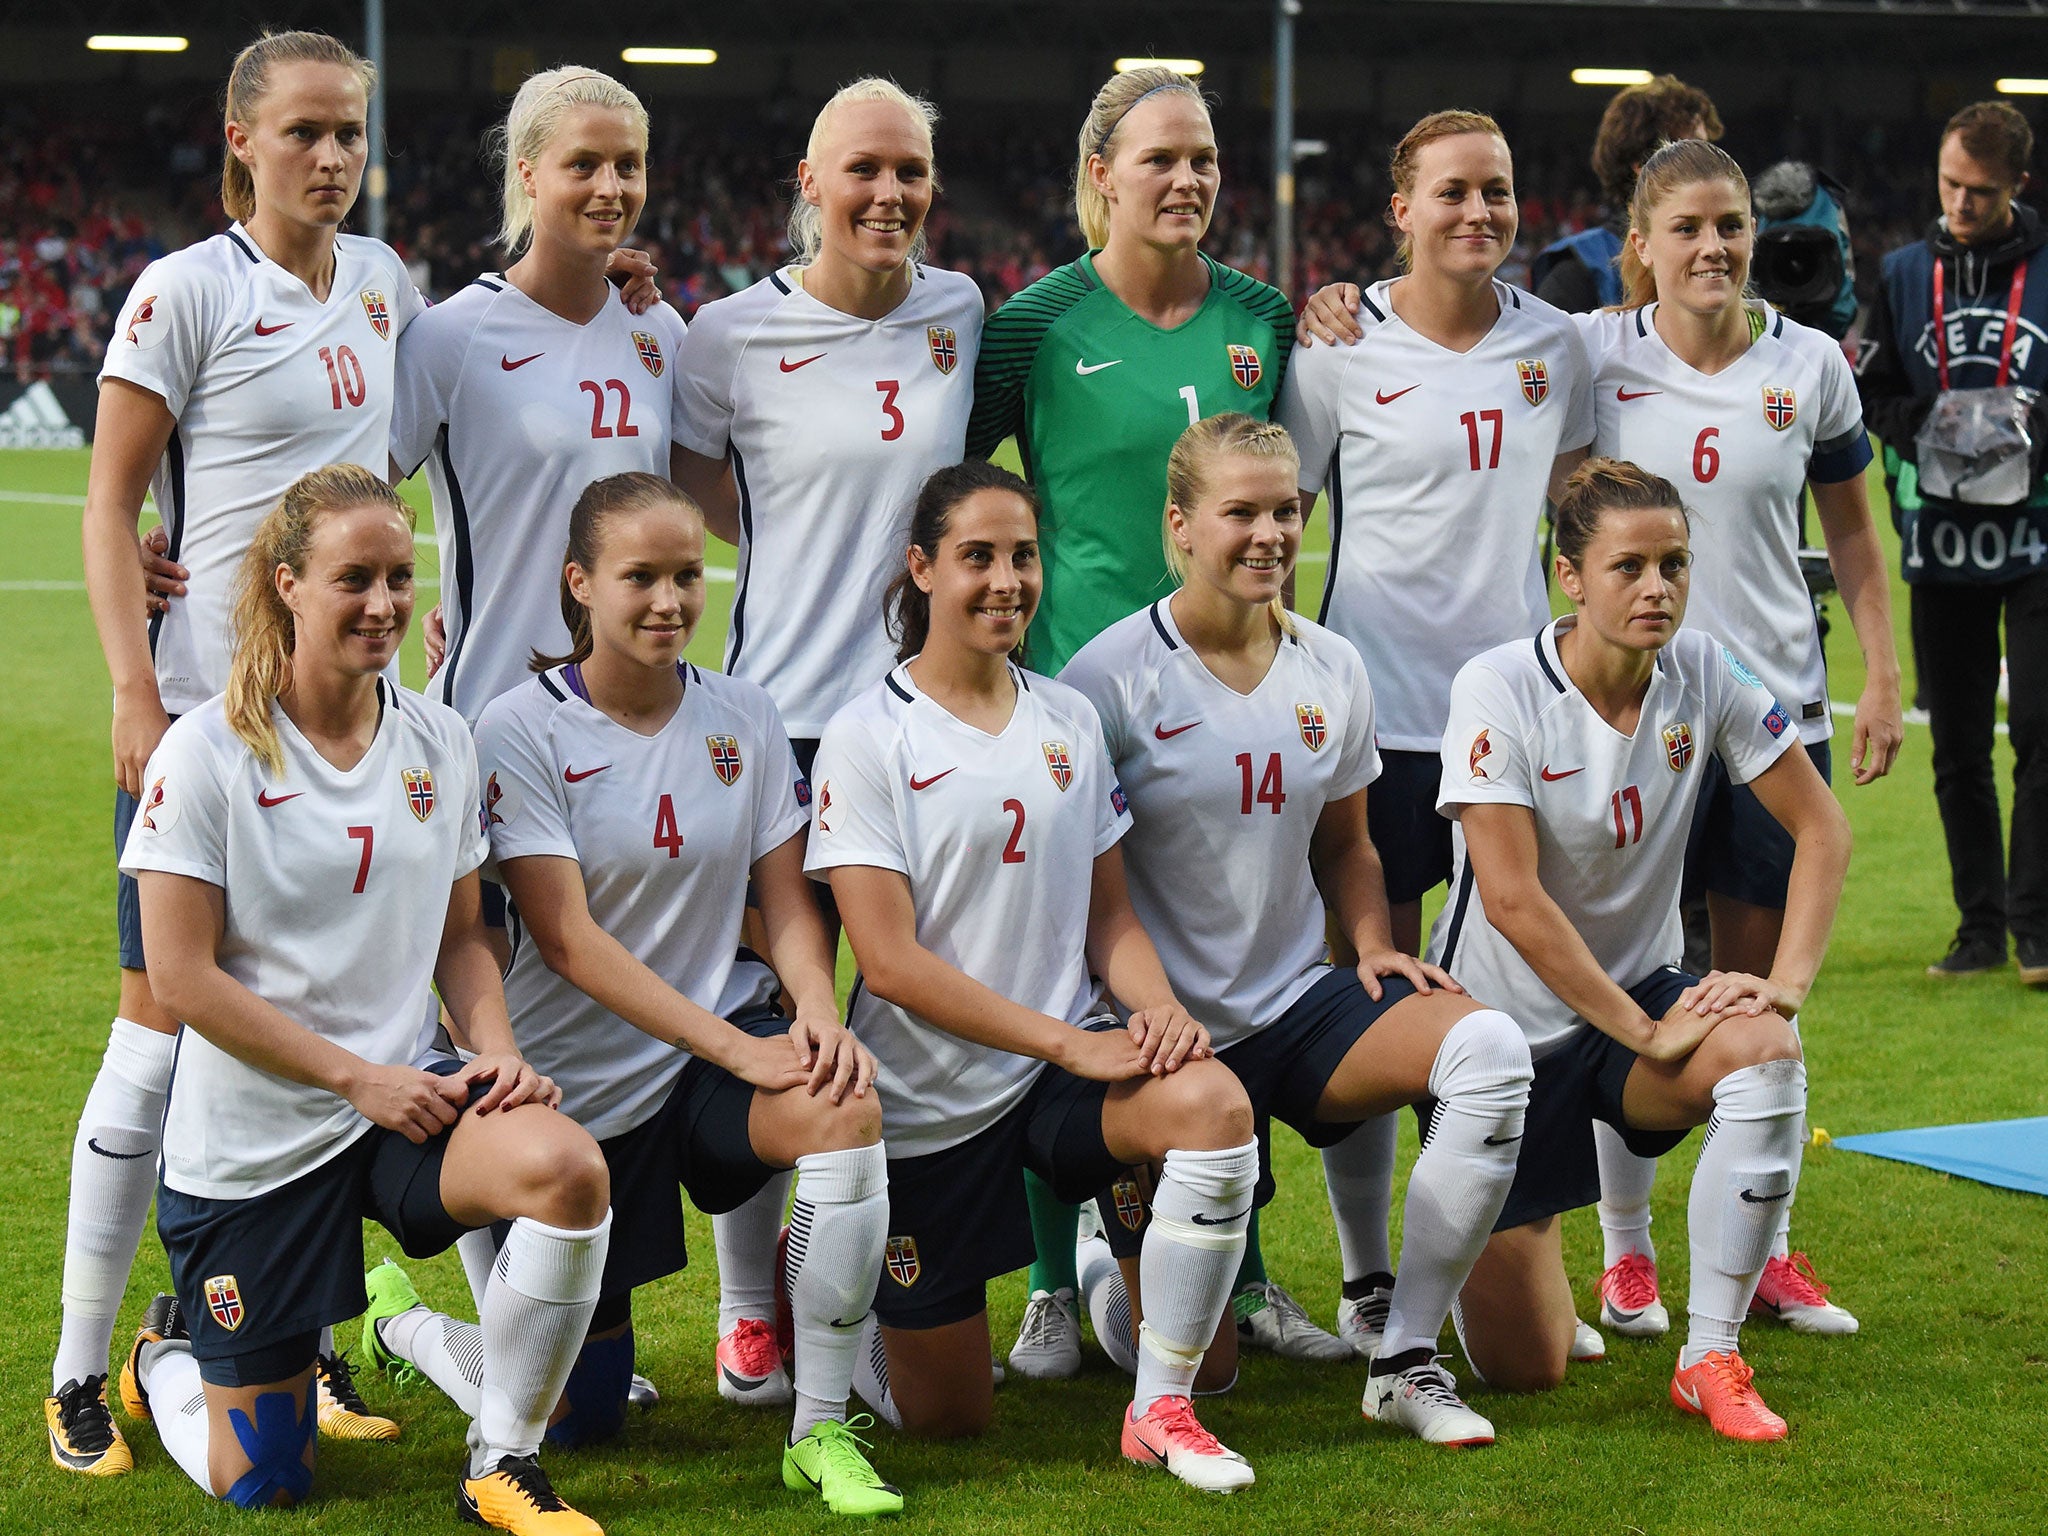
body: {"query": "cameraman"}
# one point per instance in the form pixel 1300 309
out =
pixel 1956 348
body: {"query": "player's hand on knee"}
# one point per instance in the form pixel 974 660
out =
pixel 838 1063
pixel 1105 1055
pixel 1168 1037
pixel 1391 962
pixel 513 1082
pixel 162 577
pixel 434 635
pixel 403 1099
pixel 771 1064
pixel 1328 317
pixel 636 274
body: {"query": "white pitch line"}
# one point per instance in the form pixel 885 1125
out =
pixel 1844 710
pixel 717 573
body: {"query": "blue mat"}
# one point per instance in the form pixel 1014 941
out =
pixel 2012 1154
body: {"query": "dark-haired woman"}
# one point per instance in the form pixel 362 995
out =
pixel 1572 763
pixel 237 364
pixel 968 819
pixel 631 799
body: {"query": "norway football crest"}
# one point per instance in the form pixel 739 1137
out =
pixel 1058 763
pixel 1678 745
pixel 650 352
pixel 1245 366
pixel 1534 376
pixel 224 1301
pixel 725 757
pixel 1130 1205
pixel 379 313
pixel 900 1259
pixel 1482 749
pixel 1781 407
pixel 1315 727
pixel 419 792
pixel 945 347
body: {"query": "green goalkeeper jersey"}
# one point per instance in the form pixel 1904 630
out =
pixel 1097 395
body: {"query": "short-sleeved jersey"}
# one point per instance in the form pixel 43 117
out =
pixel 1612 812
pixel 514 410
pixel 666 829
pixel 1437 464
pixel 336 891
pixel 1226 789
pixel 833 424
pixel 267 384
pixel 1097 396
pixel 998 836
pixel 1740 446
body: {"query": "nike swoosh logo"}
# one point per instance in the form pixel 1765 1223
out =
pixel 125 1157
pixel 1501 1141
pixel 1164 734
pixel 789 367
pixel 1691 1397
pixel 571 776
pixel 1636 394
pixel 272 330
pixel 267 801
pixel 917 783
pixel 1383 398
pixel 1084 369
pixel 743 1384
pixel 1756 1199
pixel 1624 1317
pixel 1552 778
pixel 1151 1450
pixel 508 364
pixel 1217 1221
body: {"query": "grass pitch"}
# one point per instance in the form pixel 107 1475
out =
pixel 1932 1418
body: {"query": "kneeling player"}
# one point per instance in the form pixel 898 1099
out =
pixel 1244 735
pixel 307 852
pixel 1572 762
pixel 969 820
pixel 631 798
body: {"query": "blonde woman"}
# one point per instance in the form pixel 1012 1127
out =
pixel 237 364
pixel 1096 369
pixel 307 851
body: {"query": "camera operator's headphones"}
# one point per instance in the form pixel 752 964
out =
pixel 1803 263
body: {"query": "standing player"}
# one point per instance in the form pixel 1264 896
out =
pixel 307 854
pixel 237 364
pixel 1744 408
pixel 968 821
pixel 811 408
pixel 627 892
pixel 1244 735
pixel 1438 434
pixel 1096 369
pixel 1572 763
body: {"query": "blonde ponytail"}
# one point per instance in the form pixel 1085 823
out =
pixel 1195 451
pixel 1680 163
pixel 249 83
pixel 261 666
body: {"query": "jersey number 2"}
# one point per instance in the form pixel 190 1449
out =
pixel 621 426
pixel 1012 853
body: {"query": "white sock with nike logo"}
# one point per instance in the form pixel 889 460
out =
pixel 1625 1184
pixel 1480 1082
pixel 837 1230
pixel 1748 1165
pixel 1189 1263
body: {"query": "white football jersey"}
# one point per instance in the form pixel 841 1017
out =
pixel 514 410
pixel 267 384
pixel 833 423
pixel 1740 446
pixel 666 829
pixel 1225 792
pixel 998 836
pixel 1613 812
pixel 336 889
pixel 1437 464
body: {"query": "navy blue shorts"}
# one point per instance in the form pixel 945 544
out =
pixel 697 1141
pixel 958 1218
pixel 1414 842
pixel 491 897
pixel 254 1273
pixel 1576 1084
pixel 1737 849
pixel 127 898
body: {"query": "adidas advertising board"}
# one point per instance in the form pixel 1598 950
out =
pixel 39 416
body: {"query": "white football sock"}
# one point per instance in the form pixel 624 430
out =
pixel 536 1314
pixel 1748 1165
pixel 1480 1081
pixel 1781 1244
pixel 478 1249
pixel 745 1240
pixel 837 1230
pixel 177 1404
pixel 1625 1184
pixel 1359 1171
pixel 1189 1263
pixel 871 1375
pixel 445 1350
pixel 1108 1301
pixel 113 1176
